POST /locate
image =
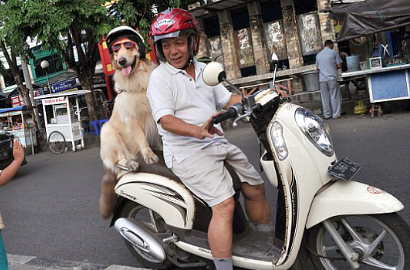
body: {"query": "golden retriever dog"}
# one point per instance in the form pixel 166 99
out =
pixel 131 131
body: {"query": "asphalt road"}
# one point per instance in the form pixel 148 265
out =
pixel 51 208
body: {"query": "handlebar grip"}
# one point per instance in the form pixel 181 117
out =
pixel 231 113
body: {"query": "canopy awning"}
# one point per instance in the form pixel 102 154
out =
pixel 4 110
pixel 371 16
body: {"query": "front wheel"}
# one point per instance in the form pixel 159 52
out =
pixel 381 241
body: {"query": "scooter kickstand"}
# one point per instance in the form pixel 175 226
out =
pixel 350 256
pixel 172 239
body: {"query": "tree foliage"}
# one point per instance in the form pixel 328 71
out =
pixel 140 13
pixel 13 43
pixel 74 28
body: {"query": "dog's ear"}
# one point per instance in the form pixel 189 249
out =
pixel 114 61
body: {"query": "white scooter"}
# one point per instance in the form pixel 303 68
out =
pixel 340 223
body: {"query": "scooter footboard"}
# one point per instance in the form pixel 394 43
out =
pixel 350 198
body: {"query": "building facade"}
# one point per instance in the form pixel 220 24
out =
pixel 244 34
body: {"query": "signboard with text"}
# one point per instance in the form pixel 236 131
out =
pixel 56 100
pixel 70 84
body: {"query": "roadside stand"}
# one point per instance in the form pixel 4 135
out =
pixel 19 122
pixel 378 33
pixel 63 121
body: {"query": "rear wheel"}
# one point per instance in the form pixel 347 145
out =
pixel 56 142
pixel 153 223
pixel 381 241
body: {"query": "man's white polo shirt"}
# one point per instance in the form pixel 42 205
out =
pixel 172 91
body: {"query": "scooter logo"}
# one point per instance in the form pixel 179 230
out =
pixel 128 195
pixel 374 190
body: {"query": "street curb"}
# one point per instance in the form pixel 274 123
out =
pixel 20 262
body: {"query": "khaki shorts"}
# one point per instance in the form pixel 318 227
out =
pixel 205 175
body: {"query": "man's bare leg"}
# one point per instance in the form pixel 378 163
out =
pixel 256 206
pixel 220 234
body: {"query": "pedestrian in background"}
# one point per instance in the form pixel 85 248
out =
pixel 5 176
pixel 328 62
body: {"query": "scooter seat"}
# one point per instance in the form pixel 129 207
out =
pixel 157 168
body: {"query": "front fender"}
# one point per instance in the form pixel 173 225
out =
pixel 351 198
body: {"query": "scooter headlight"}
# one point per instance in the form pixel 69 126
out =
pixel 279 144
pixel 315 129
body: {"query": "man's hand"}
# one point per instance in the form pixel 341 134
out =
pixel 207 130
pixel 282 92
pixel 18 151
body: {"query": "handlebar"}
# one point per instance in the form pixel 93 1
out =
pixel 232 112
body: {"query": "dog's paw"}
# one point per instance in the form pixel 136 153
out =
pixel 133 165
pixel 129 166
pixel 151 158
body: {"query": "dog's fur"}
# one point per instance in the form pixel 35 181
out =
pixel 131 129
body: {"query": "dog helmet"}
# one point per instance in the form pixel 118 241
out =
pixel 126 32
pixel 173 23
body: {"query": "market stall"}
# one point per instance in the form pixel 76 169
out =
pixel 385 84
pixel 62 117
pixel 378 35
pixel 18 122
pixel 368 17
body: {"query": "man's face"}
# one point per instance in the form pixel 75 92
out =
pixel 176 51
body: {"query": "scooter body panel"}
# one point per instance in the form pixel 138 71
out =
pixel 344 197
pixel 168 198
pixel 303 163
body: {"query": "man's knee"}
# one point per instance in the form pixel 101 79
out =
pixel 254 192
pixel 224 208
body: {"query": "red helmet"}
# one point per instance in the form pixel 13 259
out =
pixel 172 23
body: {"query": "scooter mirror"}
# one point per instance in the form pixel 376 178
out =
pixel 274 62
pixel 274 58
pixel 213 73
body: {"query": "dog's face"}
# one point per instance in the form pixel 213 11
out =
pixel 125 56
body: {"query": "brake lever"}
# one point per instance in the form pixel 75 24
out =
pixel 241 117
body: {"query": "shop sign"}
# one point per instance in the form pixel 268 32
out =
pixel 55 100
pixel 63 85
pixel 16 101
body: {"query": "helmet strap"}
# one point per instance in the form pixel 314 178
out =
pixel 189 62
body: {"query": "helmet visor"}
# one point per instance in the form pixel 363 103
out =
pixel 169 35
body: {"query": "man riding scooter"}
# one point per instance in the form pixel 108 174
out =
pixel 194 149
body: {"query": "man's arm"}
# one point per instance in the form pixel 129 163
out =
pixel 234 99
pixel 238 99
pixel 176 125
pixel 339 60
pixel 8 173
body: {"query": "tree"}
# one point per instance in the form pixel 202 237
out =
pixel 73 27
pixel 13 43
pixel 140 13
